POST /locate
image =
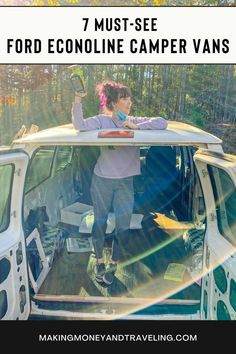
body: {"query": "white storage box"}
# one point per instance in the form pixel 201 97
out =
pixel 81 215
pixel 74 213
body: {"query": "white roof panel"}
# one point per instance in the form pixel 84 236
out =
pixel 176 133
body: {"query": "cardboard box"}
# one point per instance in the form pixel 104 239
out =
pixel 74 213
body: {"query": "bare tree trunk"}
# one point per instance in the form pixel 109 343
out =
pixel 184 79
pixel 50 86
pixel 228 78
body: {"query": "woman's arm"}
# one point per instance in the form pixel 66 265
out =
pixel 149 123
pixel 78 120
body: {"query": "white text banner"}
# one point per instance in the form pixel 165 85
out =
pixel 125 35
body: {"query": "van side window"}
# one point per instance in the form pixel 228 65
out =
pixel 40 167
pixel 63 157
pixel 225 199
pixel 6 174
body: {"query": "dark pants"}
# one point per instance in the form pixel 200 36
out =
pixel 105 193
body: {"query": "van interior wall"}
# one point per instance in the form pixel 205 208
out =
pixel 158 188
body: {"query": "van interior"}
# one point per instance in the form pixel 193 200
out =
pixel 161 262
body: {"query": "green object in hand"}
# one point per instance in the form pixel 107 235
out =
pixel 77 83
pixel 76 78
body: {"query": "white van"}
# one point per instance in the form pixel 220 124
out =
pixel 178 260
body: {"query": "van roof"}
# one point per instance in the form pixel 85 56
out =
pixel 176 133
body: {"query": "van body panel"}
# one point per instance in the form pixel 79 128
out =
pixel 14 288
pixel 218 176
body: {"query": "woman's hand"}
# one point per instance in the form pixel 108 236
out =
pixel 79 96
pixel 130 125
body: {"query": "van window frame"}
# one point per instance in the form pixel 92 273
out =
pixel 9 199
pixel 217 196
pixel 30 163
pixel 69 161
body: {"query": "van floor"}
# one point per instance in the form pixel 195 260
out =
pixel 153 265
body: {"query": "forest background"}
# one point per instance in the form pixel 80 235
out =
pixel 202 95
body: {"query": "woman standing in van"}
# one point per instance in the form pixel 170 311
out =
pixel 112 182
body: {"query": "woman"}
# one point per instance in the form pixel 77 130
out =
pixel 112 182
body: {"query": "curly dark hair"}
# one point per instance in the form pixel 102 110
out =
pixel 110 92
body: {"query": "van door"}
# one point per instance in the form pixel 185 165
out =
pixel 14 288
pixel 217 173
